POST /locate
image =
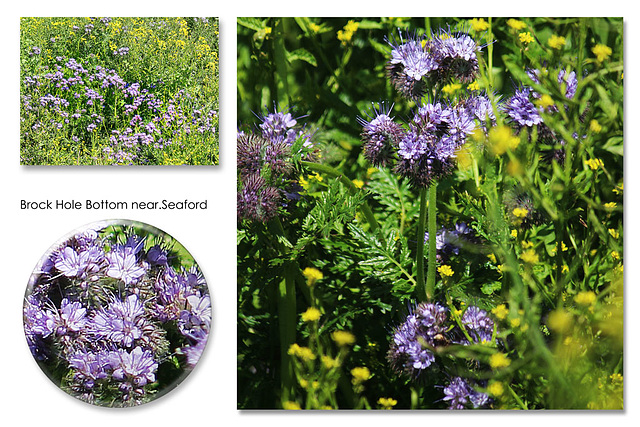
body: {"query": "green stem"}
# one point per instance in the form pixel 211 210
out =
pixel 287 326
pixel 365 208
pixel 423 294
pixel 279 57
pixel 286 317
pixel 431 273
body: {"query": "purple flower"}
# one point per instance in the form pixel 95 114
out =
pixel 460 394
pixel 89 367
pixel 82 263
pixel 456 55
pixel 257 201
pixel 157 256
pixel 39 323
pixel 72 317
pixel 254 153
pixel 279 127
pixel 425 325
pixel 194 352
pixel 122 322
pixel 521 110
pixel 381 136
pixel 409 66
pixel 449 242
pixel 478 324
pixel 413 145
pixel 123 265
pixel 137 368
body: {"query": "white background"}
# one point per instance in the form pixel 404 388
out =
pixel 208 396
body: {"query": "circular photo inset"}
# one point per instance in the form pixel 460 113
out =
pixel 117 313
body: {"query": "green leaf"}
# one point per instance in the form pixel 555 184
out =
pixel 252 23
pixel 302 55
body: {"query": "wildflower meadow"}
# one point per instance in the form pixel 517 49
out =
pixel 119 91
pixel 430 213
pixel 117 313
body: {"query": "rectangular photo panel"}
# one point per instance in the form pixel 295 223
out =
pixel 430 213
pixel 119 91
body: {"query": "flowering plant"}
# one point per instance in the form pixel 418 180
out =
pixel 120 91
pixel 457 244
pixel 116 313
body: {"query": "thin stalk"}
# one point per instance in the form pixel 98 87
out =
pixel 286 318
pixel 279 57
pixel 287 327
pixel 423 294
pixel 431 273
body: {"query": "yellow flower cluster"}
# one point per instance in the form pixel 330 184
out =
pixel 346 34
pixel 303 353
pixel 312 275
pixel 311 315
pixel 556 42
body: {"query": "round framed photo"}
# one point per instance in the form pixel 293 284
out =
pixel 117 313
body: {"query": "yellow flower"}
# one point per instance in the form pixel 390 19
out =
pixel 594 163
pixel 479 24
pixel 520 212
pixel 267 30
pixel 387 402
pixel 346 34
pixel 545 101
pixel 451 88
pixel 515 24
pixel 352 26
pixel 525 38
pixel 585 298
pixel 492 258
pixel 515 322
pixel 595 126
pixel 615 255
pixel 445 270
pixel 499 360
pixel 474 86
pixel 360 374
pixel 560 321
pixel 529 256
pixel 312 275
pixel 502 139
pixel 311 315
pixel 610 205
pixel 556 42
pixel 329 362
pixel 601 52
pixel 290 405
pixel 343 338
pixel 514 233
pixel 358 183
pixel 314 27
pixel 303 353
pixel 495 388
pixel 614 233
pixel 500 311
pixel 565 268
pixel 618 189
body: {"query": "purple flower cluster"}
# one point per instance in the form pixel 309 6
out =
pixel 425 150
pixel 78 100
pixel 460 394
pixel 265 161
pixel 523 112
pixel 112 311
pixel 420 61
pixel 450 241
pixel 427 327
